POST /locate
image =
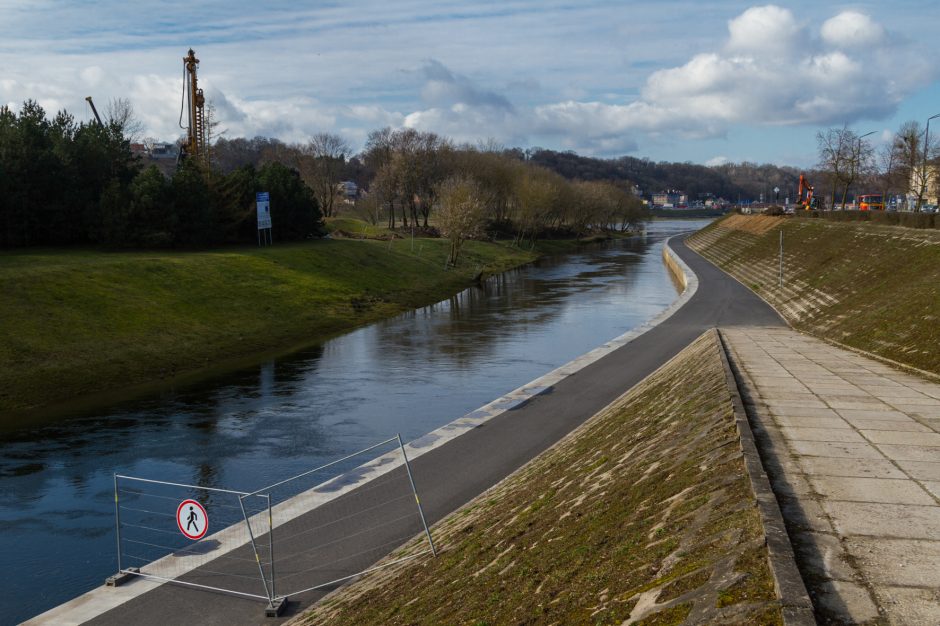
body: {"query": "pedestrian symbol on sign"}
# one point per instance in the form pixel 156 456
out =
pixel 191 519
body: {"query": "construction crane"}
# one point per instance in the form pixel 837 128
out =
pixel 195 101
pixel 94 110
pixel 809 202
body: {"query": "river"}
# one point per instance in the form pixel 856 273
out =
pixel 409 374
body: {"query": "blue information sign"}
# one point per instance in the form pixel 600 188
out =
pixel 263 199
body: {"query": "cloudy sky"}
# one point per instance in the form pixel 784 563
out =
pixel 668 80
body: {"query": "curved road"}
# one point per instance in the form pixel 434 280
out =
pixel 455 473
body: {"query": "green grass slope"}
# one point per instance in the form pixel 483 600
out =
pixel 645 513
pixel 869 286
pixel 79 322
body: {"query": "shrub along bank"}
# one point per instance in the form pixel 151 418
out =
pixel 78 322
pixel 869 286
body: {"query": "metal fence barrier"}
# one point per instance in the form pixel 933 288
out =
pixel 308 532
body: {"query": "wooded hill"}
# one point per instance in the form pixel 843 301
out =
pixel 732 181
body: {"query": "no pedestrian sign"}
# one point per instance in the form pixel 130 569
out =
pixel 192 519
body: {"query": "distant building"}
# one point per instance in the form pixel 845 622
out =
pixel 164 151
pixel 670 199
pixel 348 189
pixel 932 192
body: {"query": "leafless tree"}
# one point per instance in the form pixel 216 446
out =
pixel 325 155
pixel 461 213
pixel 844 156
pixel 120 112
pixel 213 132
pixel 888 175
pixel 914 162
pixel 535 198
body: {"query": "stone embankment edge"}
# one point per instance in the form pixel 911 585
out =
pixel 792 593
pixel 102 599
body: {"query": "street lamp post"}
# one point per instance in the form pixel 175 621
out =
pixel 858 160
pixel 920 196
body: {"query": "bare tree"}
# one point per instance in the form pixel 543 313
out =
pixel 908 148
pixel 325 155
pixel 535 197
pixel 120 112
pixel 384 190
pixel 213 132
pixel 914 161
pixel 844 156
pixel 889 179
pixel 461 213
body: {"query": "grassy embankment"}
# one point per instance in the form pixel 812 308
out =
pixel 644 513
pixel 869 286
pixel 78 322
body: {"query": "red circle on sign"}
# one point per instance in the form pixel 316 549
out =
pixel 196 526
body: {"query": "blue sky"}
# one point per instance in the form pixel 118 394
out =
pixel 668 80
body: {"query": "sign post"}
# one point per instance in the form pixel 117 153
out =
pixel 263 200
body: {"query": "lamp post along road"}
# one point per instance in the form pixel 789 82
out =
pixel 858 164
pixel 924 177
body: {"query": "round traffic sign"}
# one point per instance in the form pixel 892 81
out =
pixel 191 519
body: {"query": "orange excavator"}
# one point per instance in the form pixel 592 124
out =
pixel 809 202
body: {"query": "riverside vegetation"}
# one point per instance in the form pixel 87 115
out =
pixel 77 322
pixel 642 515
pixel 869 286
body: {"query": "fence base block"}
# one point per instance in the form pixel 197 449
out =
pixel 121 577
pixel 275 609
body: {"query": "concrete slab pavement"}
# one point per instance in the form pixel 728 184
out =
pixel 852 448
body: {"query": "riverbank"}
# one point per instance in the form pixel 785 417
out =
pixel 645 513
pixel 867 286
pixel 79 322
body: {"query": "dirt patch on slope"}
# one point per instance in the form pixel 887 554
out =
pixel 754 224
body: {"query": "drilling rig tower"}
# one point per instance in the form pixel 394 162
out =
pixel 195 104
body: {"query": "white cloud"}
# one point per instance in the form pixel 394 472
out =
pixel 92 76
pixel 771 71
pixel 717 160
pixel 763 31
pixel 851 29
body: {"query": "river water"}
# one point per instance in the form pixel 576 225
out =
pixel 409 375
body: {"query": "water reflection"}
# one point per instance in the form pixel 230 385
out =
pixel 409 374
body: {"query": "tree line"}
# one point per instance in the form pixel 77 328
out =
pixel 906 164
pixel 66 182
pixel 405 170
pixel 63 183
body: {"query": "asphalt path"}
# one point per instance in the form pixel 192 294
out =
pixel 449 476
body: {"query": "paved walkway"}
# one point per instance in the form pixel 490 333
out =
pixel 852 448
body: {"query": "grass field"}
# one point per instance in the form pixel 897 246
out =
pixel 644 513
pixel 869 286
pixel 78 322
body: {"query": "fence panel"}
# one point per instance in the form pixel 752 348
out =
pixel 192 535
pixel 323 539
pixel 310 531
